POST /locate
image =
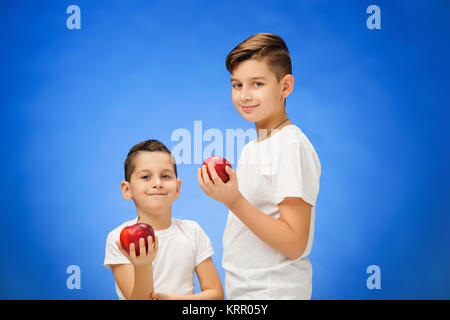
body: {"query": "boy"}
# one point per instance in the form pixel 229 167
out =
pixel 272 194
pixel 166 270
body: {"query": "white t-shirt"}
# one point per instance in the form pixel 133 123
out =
pixel 284 165
pixel 182 247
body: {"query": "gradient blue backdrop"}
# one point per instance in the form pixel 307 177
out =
pixel 374 103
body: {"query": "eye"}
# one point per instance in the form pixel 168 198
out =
pixel 166 176
pixel 259 84
pixel 146 177
pixel 236 85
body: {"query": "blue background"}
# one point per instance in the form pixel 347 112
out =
pixel 374 103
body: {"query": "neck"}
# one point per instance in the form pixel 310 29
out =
pixel 264 127
pixel 158 220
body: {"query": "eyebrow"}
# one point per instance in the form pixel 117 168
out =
pixel 164 170
pixel 252 78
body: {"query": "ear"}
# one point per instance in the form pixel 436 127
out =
pixel 178 187
pixel 126 190
pixel 288 85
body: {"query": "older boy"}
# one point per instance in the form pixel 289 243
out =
pixel 270 225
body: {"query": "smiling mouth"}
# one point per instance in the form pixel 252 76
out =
pixel 158 194
pixel 248 108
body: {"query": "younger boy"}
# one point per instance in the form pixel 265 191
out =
pixel 166 270
pixel 272 195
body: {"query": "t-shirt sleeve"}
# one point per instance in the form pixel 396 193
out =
pixel 202 245
pixel 297 174
pixel 112 252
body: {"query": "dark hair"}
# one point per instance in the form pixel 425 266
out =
pixel 149 146
pixel 266 46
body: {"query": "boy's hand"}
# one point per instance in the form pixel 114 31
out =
pixel 160 296
pixel 216 188
pixel 145 257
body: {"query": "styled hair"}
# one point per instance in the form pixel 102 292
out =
pixel 260 46
pixel 148 146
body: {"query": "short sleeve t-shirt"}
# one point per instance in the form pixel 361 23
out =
pixel 182 247
pixel 285 165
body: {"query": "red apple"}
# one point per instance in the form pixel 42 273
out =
pixel 219 164
pixel 133 233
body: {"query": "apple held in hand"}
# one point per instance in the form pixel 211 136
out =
pixel 133 233
pixel 219 164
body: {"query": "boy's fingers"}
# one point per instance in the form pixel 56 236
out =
pixel 214 176
pixel 201 181
pixel 156 244
pixel 150 241
pixel 150 244
pixel 199 176
pixel 132 251
pixel 142 251
pixel 206 178
pixel 159 296
pixel 231 173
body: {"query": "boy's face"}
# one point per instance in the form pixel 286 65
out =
pixel 153 185
pixel 256 93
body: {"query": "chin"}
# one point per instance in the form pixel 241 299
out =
pixel 156 209
pixel 250 117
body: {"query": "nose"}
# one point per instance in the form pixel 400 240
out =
pixel 245 94
pixel 157 182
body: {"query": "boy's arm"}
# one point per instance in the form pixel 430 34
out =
pixel 136 280
pixel 209 282
pixel 287 235
pixel 126 277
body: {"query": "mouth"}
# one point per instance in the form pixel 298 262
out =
pixel 248 108
pixel 158 194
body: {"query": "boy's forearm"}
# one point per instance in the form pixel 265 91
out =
pixel 143 283
pixel 274 232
